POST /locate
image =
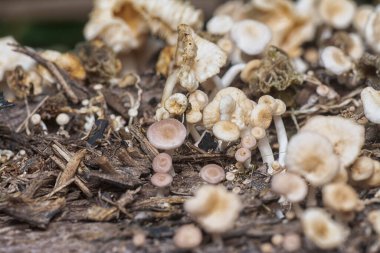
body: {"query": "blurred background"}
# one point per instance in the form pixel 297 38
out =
pixel 58 24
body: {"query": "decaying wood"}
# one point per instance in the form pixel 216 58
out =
pixel 71 168
pixel 150 151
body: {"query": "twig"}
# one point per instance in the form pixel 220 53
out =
pixel 71 168
pixel 21 126
pixel 145 144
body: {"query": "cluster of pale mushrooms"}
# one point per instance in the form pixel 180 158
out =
pixel 261 42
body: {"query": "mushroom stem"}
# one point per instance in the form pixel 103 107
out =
pixel 282 138
pixel 44 127
pixel 247 163
pixel 231 73
pixel 169 86
pixel 266 153
pixel 193 132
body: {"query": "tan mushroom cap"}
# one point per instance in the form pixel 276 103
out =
pixel 335 60
pixel 269 101
pixel 162 163
pixel 322 230
pixel 258 133
pixel 212 174
pixel 361 16
pixel 337 13
pixel 226 131
pixel 374 180
pixel 292 186
pixel 362 169
pixel 242 155
pixel 161 179
pixel 340 197
pixel 372 34
pixel 371 104
pixel 374 219
pixel 261 116
pixel 187 237
pixel 346 136
pixel 311 155
pixel 249 69
pixel 176 104
pixel 248 142
pixel 166 134
pixel 281 107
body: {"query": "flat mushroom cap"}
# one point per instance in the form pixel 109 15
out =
pixel 226 131
pixel 311 155
pixel 187 236
pixel 252 37
pixel 162 163
pixel 340 197
pixel 362 169
pixel 371 103
pixel 335 60
pixel 212 173
pixel 261 116
pixel 242 155
pixel 292 186
pixel 248 141
pixel 322 230
pixel 167 134
pixel 346 136
pixel 161 179
pixel 337 13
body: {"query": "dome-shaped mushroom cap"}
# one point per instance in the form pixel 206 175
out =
pixel 212 173
pixel 62 119
pixel 335 60
pixel 162 163
pixel 371 103
pixel 346 136
pixel 252 37
pixel 261 116
pixel 226 131
pixel 337 13
pixel 187 237
pixel 322 230
pixel 161 179
pixel 340 197
pixel 166 134
pixel 372 34
pixel 362 168
pixel 311 155
pixel 292 186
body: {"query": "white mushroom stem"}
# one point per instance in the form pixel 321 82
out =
pixel 247 163
pixel 266 153
pixel 193 132
pixel 171 81
pixel 282 138
pixel 44 127
pixel 231 73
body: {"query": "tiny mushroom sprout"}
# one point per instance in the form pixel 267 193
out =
pixel 212 174
pixel 338 13
pixel 214 208
pixel 335 60
pixel 35 119
pixel 371 104
pixel 322 230
pixel 372 34
pixel 290 185
pixel 162 181
pixel 362 169
pixel 346 136
pixel 187 237
pixel 312 156
pixel 162 163
pixel 167 134
pixel 243 155
pixel 341 197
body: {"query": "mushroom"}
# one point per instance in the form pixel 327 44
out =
pixel 198 100
pixel 338 13
pixel 167 134
pixel 311 155
pixel 35 119
pixel 292 242
pixel 322 230
pixel 372 34
pixel 362 168
pixel 212 174
pixel 346 136
pixel 374 180
pixel 374 219
pixel 162 163
pixel 162 181
pixel 219 24
pixel 226 132
pixel 335 61
pixel 361 17
pixel 341 197
pixel 62 119
pixel 356 48
pixel 187 237
pixel 248 142
pixel 290 185
pixel 243 155
pixel 214 208
pixel 371 104
pixel 176 104
pixel 264 147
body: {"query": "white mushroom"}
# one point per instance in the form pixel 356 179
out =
pixel 334 60
pixel 220 24
pixel 372 33
pixel 338 13
pixel 371 103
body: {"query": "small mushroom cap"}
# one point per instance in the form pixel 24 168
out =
pixel 374 219
pixel 226 131
pixel 252 37
pixel 361 17
pixel 62 119
pixel 176 104
pixel 35 119
pixel 356 49
pixel 248 142
pixel 198 99
pixel 374 180
pixel 372 34
pixel 187 237
pixel 162 163
pixel 292 186
pixel 335 60
pixel 161 179
pixel 219 24
pixel 166 134
pixel 281 107
pixel 227 105
pixel 212 174
pixel 337 13
pixel 258 133
pixel 340 197
pixel 269 101
pixel 346 136
pixel 214 208
pixel 261 116
pixel 242 155
pixel 362 169
pixel 311 155
pixel 322 230
pixel 371 104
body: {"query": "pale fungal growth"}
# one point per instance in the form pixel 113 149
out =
pixel 292 242
pixel 167 134
pixel 341 197
pixel 312 156
pixel 338 13
pixel 227 106
pixel 374 219
pixel 214 208
pixel 362 168
pixel 372 33
pixel 334 60
pixel 322 230
pixel 162 163
pixel 187 237
pixel 251 37
pixel 361 16
pixel 264 147
pixel 62 119
pixel 219 24
pixel 243 155
pixel 162 181
pixel 212 174
pixel 290 185
pixel 176 104
pixel 345 135
pixel 230 74
pixel 356 48
pixel 371 104
pixel 261 116
pixel 198 100
pixel 374 180
pixel 248 142
pixel 35 119
pixel 226 131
